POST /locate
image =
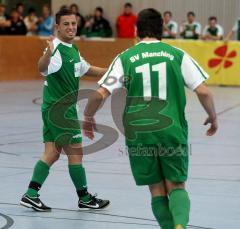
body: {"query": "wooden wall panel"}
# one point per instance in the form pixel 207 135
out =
pixel 19 55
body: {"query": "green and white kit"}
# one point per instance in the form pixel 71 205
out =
pixel 154 75
pixel 61 85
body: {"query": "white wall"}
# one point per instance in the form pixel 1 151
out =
pixel 227 11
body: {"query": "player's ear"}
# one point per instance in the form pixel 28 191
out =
pixel 56 26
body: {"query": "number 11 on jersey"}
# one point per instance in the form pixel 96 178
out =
pixel 161 69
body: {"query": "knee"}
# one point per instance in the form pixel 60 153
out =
pixel 74 159
pixel 158 189
pixel 51 156
pixel 174 185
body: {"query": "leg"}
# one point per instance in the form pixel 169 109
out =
pixel 51 153
pixel 78 176
pixel 40 173
pixel 76 169
pixel 160 205
pixel 146 170
pixel 41 170
pixel 179 203
pixel 175 167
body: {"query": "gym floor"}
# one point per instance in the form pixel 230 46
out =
pixel 214 176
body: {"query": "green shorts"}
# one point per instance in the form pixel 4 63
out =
pixel 151 164
pixel 61 130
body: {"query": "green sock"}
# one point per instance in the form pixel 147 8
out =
pixel 40 173
pixel 179 205
pixel 160 208
pixel 78 176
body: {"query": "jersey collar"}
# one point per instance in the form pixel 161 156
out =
pixel 149 42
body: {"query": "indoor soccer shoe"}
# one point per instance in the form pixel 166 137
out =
pixel 35 203
pixel 93 203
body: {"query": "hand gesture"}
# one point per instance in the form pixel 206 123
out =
pixel 89 125
pixel 213 126
pixel 50 44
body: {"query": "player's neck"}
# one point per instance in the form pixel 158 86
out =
pixel 149 39
pixel 69 41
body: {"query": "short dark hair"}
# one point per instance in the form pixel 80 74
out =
pixel 191 13
pixel 31 10
pixel 212 18
pixel 128 4
pixel 100 9
pixel 168 12
pixel 63 12
pixel 149 24
pixel 19 4
pixel 74 5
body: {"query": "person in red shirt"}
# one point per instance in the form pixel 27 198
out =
pixel 126 22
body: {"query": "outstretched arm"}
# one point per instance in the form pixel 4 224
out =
pixel 206 99
pixel 229 35
pixel 96 71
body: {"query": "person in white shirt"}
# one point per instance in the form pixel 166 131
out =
pixel 212 31
pixel 190 29
pixel 170 27
pixel 31 21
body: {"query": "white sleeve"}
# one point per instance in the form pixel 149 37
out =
pixel 175 28
pixel 235 27
pixel 113 78
pixel 193 74
pixel 205 32
pixel 220 31
pixel 182 28
pixel 198 28
pixel 54 65
pixel 84 66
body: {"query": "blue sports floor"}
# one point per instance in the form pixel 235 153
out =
pixel 214 178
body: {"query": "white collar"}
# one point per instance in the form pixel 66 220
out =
pixel 149 42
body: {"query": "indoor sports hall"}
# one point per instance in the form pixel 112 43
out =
pixel 214 166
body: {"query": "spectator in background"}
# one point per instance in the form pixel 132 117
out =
pixel 80 19
pixel 212 31
pixel 190 29
pixel 20 10
pixel 46 22
pixel 4 20
pixel 235 29
pixel 17 24
pixel 31 21
pixel 126 22
pixel 170 27
pixel 97 26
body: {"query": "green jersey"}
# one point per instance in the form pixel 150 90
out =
pixel 214 31
pixel 62 76
pixel 154 75
pixel 190 31
pixel 173 27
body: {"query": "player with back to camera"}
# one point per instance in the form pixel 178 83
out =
pixel 156 131
pixel 62 66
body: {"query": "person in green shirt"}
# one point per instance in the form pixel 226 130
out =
pixel 190 29
pixel 170 27
pixel 97 26
pixel 62 67
pixel 154 75
pixel 212 31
